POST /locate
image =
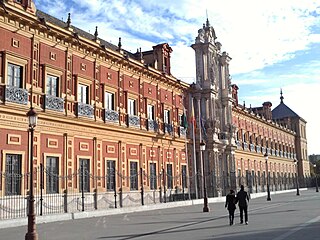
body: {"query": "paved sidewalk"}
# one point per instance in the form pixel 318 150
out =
pixel 107 212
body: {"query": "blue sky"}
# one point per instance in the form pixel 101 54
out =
pixel 273 44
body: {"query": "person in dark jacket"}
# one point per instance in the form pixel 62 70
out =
pixel 243 199
pixel 231 205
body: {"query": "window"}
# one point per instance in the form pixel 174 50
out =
pixel 84 181
pixel 133 176
pixel 166 117
pixel 52 86
pixel 131 106
pixel 52 174
pixel 150 110
pixel 253 178
pixel 247 178
pixel 239 177
pixel 153 176
pixel 83 94
pixel 184 176
pixel 111 175
pixel 15 75
pixel 109 101
pixel 181 120
pixel 169 176
pixel 13 175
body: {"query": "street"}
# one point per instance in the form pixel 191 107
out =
pixel 287 216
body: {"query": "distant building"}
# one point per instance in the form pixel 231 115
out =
pixel 314 158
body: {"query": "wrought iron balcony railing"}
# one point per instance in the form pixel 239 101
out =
pixel 133 121
pixel 258 149
pixel 238 144
pixel 84 110
pixel 16 95
pixel 268 151
pixel 53 103
pixel 281 154
pixel 152 125
pixel 182 132
pixel 245 146
pixel 111 115
pixel 252 147
pixel 168 128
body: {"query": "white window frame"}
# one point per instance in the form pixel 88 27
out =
pixel 49 81
pixel 109 101
pixel 131 106
pixel 15 80
pixel 150 112
pixel 83 93
pixel 166 116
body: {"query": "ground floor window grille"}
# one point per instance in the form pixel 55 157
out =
pixel 133 176
pixel 13 176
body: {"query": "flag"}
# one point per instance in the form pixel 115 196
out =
pixel 192 118
pixel 184 119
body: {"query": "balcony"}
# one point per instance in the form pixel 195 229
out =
pixel 84 110
pixel 168 128
pixel 273 152
pixel 53 103
pixel 152 125
pixel 252 147
pixel 133 121
pixel 111 116
pixel 258 149
pixel 277 153
pixel 281 154
pixel 263 150
pixel 245 146
pixel 16 95
pixel 238 144
pixel 182 131
pixel 268 151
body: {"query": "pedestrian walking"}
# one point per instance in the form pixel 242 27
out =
pixel 243 199
pixel 231 205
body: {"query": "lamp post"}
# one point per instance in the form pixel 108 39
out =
pixel 267 172
pixel 205 198
pixel 31 234
pixel 297 181
pixel 315 169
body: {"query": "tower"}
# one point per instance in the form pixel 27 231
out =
pixel 212 98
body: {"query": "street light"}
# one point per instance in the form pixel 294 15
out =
pixel 268 188
pixel 31 234
pixel 315 169
pixel 205 198
pixel 297 181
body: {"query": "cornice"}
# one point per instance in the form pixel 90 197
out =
pixel 262 120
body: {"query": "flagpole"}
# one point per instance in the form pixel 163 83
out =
pixel 194 151
pixel 187 156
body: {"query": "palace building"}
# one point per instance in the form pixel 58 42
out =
pixel 243 145
pixel 109 120
pixel 112 130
